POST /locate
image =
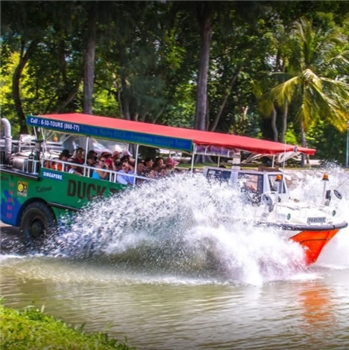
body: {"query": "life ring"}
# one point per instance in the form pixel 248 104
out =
pixel 337 194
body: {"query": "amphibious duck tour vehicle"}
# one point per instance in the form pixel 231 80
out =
pixel 34 196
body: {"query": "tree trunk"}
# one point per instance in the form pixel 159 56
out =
pixel 16 82
pixel 71 95
pixel 304 144
pixel 204 19
pixel 284 122
pixel 124 95
pixel 89 69
pixel 225 99
pixel 125 99
pixel 273 124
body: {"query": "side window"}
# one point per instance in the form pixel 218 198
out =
pixel 211 174
pixel 226 175
pixel 215 174
pixel 275 185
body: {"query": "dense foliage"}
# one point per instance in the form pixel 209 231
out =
pixel 31 329
pixel 271 69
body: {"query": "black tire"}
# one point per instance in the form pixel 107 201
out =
pixel 37 222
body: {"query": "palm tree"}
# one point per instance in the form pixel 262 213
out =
pixel 312 95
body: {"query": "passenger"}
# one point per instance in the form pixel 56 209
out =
pixel 170 166
pixel 74 168
pixel 98 173
pixel 63 157
pixel 122 178
pixel 158 167
pixel 90 162
pixel 117 165
pixel 117 153
pixel 140 171
pixel 108 159
pixel 140 168
pixel 79 156
pixel 116 160
pixel 128 156
pixel 158 164
pixel 150 173
pixel 148 162
pixel 131 162
pixel 162 172
pixel 92 153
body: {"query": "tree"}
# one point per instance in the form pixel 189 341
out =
pixel 314 97
pixel 204 13
pixel 89 61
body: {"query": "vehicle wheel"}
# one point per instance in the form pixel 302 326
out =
pixel 37 222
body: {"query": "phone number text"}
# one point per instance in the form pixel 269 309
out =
pixel 54 124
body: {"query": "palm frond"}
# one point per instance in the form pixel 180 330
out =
pixel 285 91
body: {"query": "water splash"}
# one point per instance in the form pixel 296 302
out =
pixel 308 186
pixel 182 226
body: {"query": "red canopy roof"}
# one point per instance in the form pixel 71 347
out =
pixel 195 136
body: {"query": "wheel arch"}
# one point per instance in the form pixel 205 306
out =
pixel 27 203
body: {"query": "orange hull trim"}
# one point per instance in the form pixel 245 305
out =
pixel 313 242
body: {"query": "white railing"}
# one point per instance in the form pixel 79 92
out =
pixel 86 169
pixel 31 166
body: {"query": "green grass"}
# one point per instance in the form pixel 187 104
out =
pixel 31 329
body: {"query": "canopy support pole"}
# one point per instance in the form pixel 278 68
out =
pixel 192 162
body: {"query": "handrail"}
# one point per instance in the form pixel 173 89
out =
pixel 86 168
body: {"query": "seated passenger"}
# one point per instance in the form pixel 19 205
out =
pixel 79 155
pixel 117 165
pixel 148 162
pixel 116 160
pixel 150 173
pixel 92 153
pixel 170 166
pixel 98 173
pixel 64 157
pixel 108 159
pixel 79 158
pixel 140 171
pixel 140 168
pixel 126 155
pixel 91 162
pixel 122 178
pixel 74 168
pixel 158 167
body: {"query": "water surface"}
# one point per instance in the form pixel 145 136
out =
pixel 163 267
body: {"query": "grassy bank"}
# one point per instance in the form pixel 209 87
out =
pixel 32 329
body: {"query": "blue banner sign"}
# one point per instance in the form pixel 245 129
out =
pixel 113 134
pixel 52 175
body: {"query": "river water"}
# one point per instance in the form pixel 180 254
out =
pixel 161 266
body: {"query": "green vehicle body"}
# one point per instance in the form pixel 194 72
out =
pixel 36 197
pixel 59 191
